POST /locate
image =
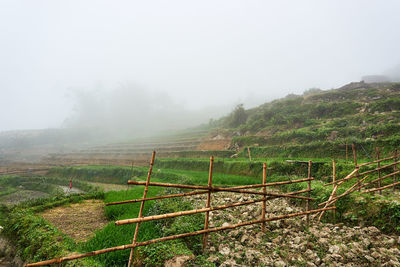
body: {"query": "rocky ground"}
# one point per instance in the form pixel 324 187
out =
pixel 291 242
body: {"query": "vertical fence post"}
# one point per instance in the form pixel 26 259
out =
pixel 205 237
pixel 396 153
pixel 309 192
pixel 334 184
pixel 248 151
pixel 353 147
pixel 379 168
pixel 347 153
pixel 264 204
pixel 141 207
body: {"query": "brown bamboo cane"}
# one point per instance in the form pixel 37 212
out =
pixel 326 205
pixel 142 206
pixel 381 168
pixel 348 191
pixel 382 178
pixel 376 161
pixel 348 177
pixel 167 238
pixel 353 147
pixel 395 168
pixel 191 212
pixel 234 187
pixel 379 171
pixel 219 189
pixel 248 151
pixel 309 187
pixel 158 197
pixel 206 218
pixel 347 157
pixel 334 182
pixel 380 188
pixel 264 204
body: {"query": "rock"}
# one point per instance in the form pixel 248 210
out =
pixel 224 249
pixel 252 255
pixel 369 258
pixel 389 242
pixel 334 249
pixel 228 263
pixel 376 255
pixel 280 263
pixel 244 238
pixel 213 259
pixel 297 240
pixel 373 231
pixel 178 261
pixel 225 224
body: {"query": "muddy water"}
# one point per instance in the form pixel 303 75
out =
pixel 74 190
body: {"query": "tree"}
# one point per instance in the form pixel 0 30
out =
pixel 238 116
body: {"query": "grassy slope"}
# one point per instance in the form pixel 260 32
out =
pixel 319 124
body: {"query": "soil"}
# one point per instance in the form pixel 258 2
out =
pixel 79 220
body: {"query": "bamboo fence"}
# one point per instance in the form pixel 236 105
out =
pixel 209 189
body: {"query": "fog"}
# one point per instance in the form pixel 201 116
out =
pixel 160 65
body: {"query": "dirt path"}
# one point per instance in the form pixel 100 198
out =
pixel 78 220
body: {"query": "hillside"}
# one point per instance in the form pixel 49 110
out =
pixel 319 121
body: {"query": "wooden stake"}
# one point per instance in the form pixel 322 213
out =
pixel 248 151
pixel 141 207
pixel 309 192
pixel 334 183
pixel 379 168
pixel 395 168
pixel 205 236
pixel 347 157
pixel 264 204
pixel 167 238
pixel 353 147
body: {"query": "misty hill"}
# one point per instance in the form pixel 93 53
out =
pixel 319 123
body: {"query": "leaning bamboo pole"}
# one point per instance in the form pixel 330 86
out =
pixel 208 203
pixel 348 191
pixel 158 197
pixel 326 205
pixel 264 204
pixel 167 238
pixel 348 177
pixel 271 184
pixel 218 189
pixel 380 188
pixel 142 206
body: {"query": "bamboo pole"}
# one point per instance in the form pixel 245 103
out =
pixel 142 206
pixel 309 188
pixel 349 176
pixel 353 147
pixel 334 183
pixel 248 151
pixel 380 188
pixel 348 191
pixel 264 204
pixel 376 161
pixel 167 238
pixel 395 168
pixel 158 197
pixel 191 212
pixel 219 189
pixel 382 178
pixel 206 219
pixel 235 187
pixel 326 205
pixel 379 170
pixel 347 149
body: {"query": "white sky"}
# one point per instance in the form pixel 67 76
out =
pixel 201 53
